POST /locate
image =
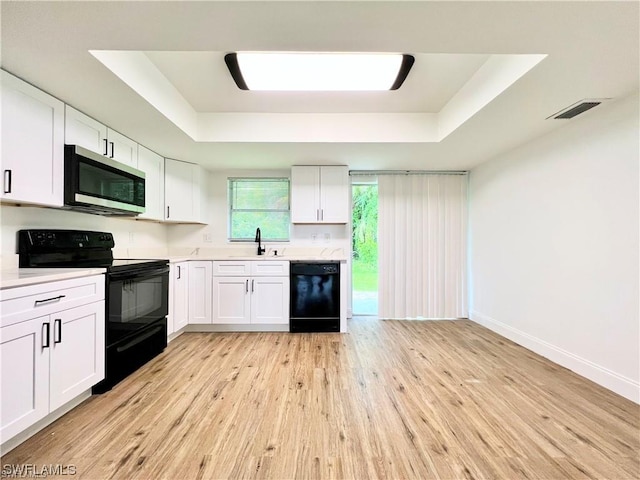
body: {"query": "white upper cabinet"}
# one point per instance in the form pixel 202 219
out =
pixel 334 194
pixel 80 129
pixel 122 149
pixel 305 194
pixel 319 194
pixel 182 192
pixel 152 165
pixel 32 144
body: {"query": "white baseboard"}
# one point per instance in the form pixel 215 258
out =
pixel 609 379
pixel 248 327
pixel 172 336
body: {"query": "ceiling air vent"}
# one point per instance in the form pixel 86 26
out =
pixel 576 109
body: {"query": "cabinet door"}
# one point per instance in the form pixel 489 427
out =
pixel 77 352
pixel 171 305
pixel 270 300
pixel 24 384
pixel 180 296
pixel 152 165
pixel 200 292
pixel 32 144
pixel 83 130
pixel 231 300
pixel 334 194
pixel 178 191
pixel 122 149
pixel 305 194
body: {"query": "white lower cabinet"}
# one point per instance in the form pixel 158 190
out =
pixel 252 292
pixel 231 300
pixel 77 356
pixel 52 346
pixel 270 300
pixel 200 280
pixel 25 376
pixel 178 296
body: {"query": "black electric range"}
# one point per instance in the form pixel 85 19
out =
pixel 136 297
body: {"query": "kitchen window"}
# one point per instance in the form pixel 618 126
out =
pixel 259 203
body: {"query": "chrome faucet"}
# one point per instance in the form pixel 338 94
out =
pixel 258 239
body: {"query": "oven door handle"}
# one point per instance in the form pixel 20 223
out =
pixel 139 339
pixel 139 274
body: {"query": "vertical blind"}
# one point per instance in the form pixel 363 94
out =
pixel 422 236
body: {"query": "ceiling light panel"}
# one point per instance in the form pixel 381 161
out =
pixel 272 71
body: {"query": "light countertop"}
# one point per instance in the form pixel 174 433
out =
pixel 237 253
pixel 11 276
pixel 243 258
pixel 20 277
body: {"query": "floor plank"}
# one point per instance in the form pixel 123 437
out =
pixel 389 400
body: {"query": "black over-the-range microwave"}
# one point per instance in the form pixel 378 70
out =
pixel 98 184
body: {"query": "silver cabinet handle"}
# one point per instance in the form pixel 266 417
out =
pixel 52 299
pixel 252 280
pixel 7 181
pixel 179 272
pixel 246 290
pixel 322 214
pixel 167 211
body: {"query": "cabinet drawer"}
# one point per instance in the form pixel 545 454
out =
pixel 270 268
pixel 24 303
pixel 231 268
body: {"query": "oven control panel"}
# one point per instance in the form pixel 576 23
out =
pixel 30 240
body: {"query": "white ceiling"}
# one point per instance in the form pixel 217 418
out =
pixel 591 48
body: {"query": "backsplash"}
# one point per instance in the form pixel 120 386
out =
pixel 127 232
pixel 139 238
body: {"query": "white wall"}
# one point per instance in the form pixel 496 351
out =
pixel 128 233
pixel 193 236
pixel 554 246
pixel 139 234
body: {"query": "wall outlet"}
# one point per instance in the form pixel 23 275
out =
pixel 207 238
pixel 327 237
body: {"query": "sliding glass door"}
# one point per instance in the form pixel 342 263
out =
pixel 365 246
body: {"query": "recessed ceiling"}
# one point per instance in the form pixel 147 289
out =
pixel 591 48
pixel 493 77
pixel 203 79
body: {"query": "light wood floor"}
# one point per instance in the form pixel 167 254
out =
pixel 389 400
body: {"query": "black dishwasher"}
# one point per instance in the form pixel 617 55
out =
pixel 315 297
